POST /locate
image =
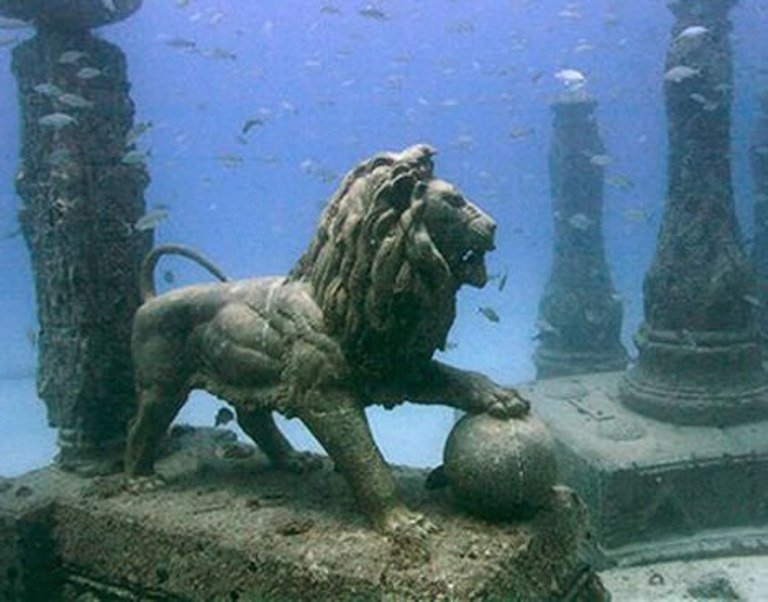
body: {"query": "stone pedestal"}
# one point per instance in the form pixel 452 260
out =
pixel 79 201
pixel 699 353
pixel 656 491
pixel 228 527
pixel 580 315
pixel 758 154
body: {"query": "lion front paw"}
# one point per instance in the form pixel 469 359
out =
pixel 508 403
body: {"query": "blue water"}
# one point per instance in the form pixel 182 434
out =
pixel 473 78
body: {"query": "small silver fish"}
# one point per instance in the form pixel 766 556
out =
pixel 223 416
pixel 138 130
pixel 372 12
pixel 680 73
pixel 109 5
pixel 620 182
pixel 13 24
pixel 601 160
pixel 692 32
pixel 88 73
pixel 56 121
pixel 59 157
pixel 48 89
pixel 71 56
pixel 580 221
pixel 571 78
pixel 134 157
pixel 150 221
pixel 489 314
pixel 75 101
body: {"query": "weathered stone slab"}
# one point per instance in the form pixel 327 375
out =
pixel 655 490
pixel 228 527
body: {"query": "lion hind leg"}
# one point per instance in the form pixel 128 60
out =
pixel 158 406
pixel 344 433
pixel 260 426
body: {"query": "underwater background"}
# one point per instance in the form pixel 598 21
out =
pixel 257 109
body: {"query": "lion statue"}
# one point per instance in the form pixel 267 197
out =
pixel 354 323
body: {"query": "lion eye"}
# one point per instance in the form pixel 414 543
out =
pixel 455 200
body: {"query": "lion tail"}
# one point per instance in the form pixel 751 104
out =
pixel 147 274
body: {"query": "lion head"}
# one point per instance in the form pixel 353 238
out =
pixel 393 246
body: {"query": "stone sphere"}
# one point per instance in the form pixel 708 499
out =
pixel 500 469
pixel 70 13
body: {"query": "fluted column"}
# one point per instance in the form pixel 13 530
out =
pixel 758 154
pixel 580 315
pixel 79 201
pixel 699 357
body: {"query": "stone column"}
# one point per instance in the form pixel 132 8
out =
pixel 699 353
pixel 79 202
pixel 579 314
pixel 758 154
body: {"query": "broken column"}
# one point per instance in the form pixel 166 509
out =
pixel 580 315
pixel 79 201
pixel 758 154
pixel 699 353
pixel 671 456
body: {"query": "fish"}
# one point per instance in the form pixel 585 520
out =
pixel 169 277
pixel 150 221
pixel 601 160
pixel 489 314
pixel 571 78
pixel 620 182
pixel 520 132
pixel 503 281
pixel 372 12
pixel 680 73
pixel 75 101
pixel 580 221
pixel 7 40
pixel 48 89
pixel 12 234
pixel 32 336
pixel 223 416
pixel 330 9
pixel 181 43
pixel 250 124
pixel 134 157
pixel 220 54
pixel 692 32
pixel 137 131
pixel 70 57
pixel 13 24
pixel 88 73
pixel 230 160
pixel 59 157
pixel 752 300
pixel 636 216
pixel 109 5
pixel 57 120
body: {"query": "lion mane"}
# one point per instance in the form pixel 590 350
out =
pixel 386 292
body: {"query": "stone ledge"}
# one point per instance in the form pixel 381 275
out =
pixel 651 486
pixel 228 529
